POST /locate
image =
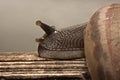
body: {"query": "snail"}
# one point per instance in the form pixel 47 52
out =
pixel 61 44
pixel 102 43
pixel 99 39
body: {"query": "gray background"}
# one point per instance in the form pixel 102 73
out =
pixel 17 19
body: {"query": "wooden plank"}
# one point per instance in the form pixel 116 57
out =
pixel 27 56
pixel 28 65
pixel 37 65
pixel 16 56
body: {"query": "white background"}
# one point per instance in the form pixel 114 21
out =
pixel 17 19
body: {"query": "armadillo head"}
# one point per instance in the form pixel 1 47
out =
pixel 64 44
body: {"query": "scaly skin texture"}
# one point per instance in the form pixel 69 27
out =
pixel 64 44
pixel 102 43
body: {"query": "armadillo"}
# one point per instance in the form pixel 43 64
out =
pixel 67 43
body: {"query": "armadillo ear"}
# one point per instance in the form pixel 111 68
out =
pixel 48 29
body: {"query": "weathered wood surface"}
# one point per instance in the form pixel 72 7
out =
pixel 29 65
pixel 102 43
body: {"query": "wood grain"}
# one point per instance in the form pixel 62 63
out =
pixel 28 65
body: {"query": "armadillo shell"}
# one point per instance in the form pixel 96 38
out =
pixel 102 43
pixel 65 44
